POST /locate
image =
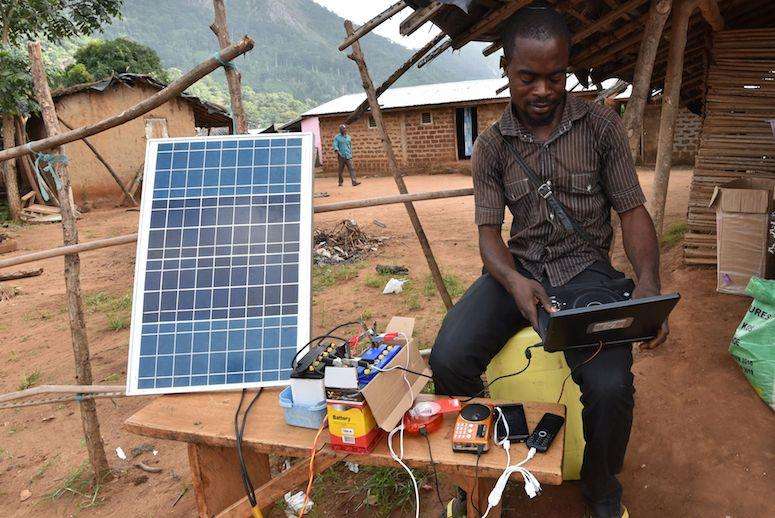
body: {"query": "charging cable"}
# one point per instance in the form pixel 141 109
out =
pixel 532 486
pixel 400 429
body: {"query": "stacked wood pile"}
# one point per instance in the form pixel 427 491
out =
pixel 737 139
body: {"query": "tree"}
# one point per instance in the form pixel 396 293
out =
pixel 100 59
pixel 54 20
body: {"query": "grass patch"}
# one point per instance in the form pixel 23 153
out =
pixel 4 454
pixel 78 483
pixel 13 357
pixel 116 308
pixel 29 380
pixel 389 489
pixel 325 276
pixel 44 467
pixel 412 300
pixel 453 283
pixel 674 234
pixel 111 378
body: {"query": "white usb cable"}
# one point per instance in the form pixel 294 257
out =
pixel 400 428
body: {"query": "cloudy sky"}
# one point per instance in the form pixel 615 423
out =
pixel 361 11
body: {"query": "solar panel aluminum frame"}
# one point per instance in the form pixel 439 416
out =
pixel 303 327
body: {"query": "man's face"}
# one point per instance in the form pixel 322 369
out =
pixel 536 73
pixel 343 130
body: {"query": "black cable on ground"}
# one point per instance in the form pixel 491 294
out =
pixel 424 433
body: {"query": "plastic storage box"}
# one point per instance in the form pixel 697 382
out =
pixel 306 416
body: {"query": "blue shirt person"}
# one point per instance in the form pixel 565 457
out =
pixel 343 148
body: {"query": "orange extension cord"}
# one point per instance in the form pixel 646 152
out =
pixel 311 468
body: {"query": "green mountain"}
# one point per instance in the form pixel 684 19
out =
pixel 296 46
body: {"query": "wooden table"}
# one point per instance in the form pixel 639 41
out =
pixel 206 422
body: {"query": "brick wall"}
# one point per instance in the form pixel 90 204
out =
pixel 419 148
pixel 688 127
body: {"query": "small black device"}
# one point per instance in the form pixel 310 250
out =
pixel 590 316
pixel 515 419
pixel 545 432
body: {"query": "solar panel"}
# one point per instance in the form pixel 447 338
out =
pixel 222 279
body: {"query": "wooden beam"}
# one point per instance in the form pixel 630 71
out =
pixel 671 97
pixel 271 491
pixel 607 19
pixel 712 14
pixel 376 112
pixel 9 170
pixel 372 24
pixel 361 109
pixel 173 90
pixel 435 53
pixel 329 207
pixel 234 79
pixel 21 138
pixel 492 48
pixel 644 67
pixel 488 23
pixel 104 162
pixel 83 374
pixel 418 18
pixel 13 276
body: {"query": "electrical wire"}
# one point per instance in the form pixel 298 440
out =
pixel 562 388
pixel 311 468
pixel 424 433
pixel 320 339
pixel 239 432
pixel 476 481
pixel 400 428
pixel 400 368
pixel 528 355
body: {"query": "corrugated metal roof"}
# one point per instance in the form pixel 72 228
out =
pixel 423 95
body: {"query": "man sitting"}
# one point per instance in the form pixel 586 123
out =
pixel 580 150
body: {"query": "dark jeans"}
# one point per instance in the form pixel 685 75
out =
pixel 478 327
pixel 349 163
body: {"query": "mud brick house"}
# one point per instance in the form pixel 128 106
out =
pixel 432 127
pixel 123 147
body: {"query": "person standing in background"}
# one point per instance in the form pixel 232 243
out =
pixel 344 152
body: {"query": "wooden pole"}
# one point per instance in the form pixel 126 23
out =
pixel 712 14
pixel 9 171
pixel 418 18
pixel 104 162
pixel 361 109
pixel 376 112
pixel 83 374
pixel 644 67
pixel 329 207
pixel 162 96
pixel 438 51
pixel 221 29
pixel 21 138
pixel 671 99
pixel 372 24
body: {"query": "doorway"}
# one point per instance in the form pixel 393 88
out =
pixel 467 130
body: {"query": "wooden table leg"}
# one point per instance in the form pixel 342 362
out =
pixel 216 476
pixel 477 492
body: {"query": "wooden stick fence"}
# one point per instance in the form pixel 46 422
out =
pixel 330 207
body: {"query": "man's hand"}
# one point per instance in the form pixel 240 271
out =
pixel 528 294
pixel 648 290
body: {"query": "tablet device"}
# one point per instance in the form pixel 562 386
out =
pixel 614 323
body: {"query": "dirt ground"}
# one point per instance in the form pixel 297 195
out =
pixel 702 443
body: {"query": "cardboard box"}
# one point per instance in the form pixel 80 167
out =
pixel 742 218
pixel 390 394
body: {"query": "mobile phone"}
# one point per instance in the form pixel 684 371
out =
pixel 515 420
pixel 545 432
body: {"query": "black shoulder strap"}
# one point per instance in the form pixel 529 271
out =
pixel 544 190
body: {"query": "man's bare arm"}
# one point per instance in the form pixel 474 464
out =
pixel 499 262
pixel 642 249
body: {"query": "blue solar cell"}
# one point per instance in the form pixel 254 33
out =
pixel 219 272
